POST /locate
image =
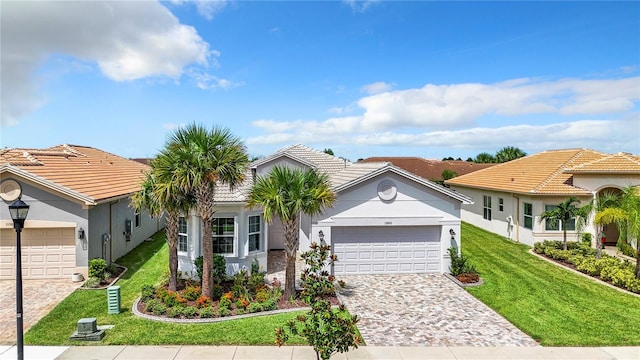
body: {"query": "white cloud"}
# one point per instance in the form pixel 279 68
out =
pixel 128 40
pixel 377 88
pixel 206 81
pixel 445 106
pixel 207 8
pixel 448 116
pixel 359 5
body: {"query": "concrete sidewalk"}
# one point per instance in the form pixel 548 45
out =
pixel 305 352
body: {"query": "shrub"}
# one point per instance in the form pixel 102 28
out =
pixel 576 259
pixel 262 295
pixel 97 268
pixel 219 269
pixel 627 249
pixel 588 266
pixel 207 312
pixel 254 307
pixel 622 277
pixel 459 263
pixel 174 312
pixel 203 301
pixel 634 285
pixel 198 262
pixel 222 311
pixel 328 331
pixel 190 311
pixel 159 309
pixel 255 266
pixel 270 304
pixel 587 238
pixel 242 303
pixel 92 282
pixel 606 261
pixel 147 292
pixel 172 298
pixel 255 281
pixel 191 293
pixel 149 305
pixel 224 303
pixel 216 291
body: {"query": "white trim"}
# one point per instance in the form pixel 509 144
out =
pixel 381 221
pixel 39 224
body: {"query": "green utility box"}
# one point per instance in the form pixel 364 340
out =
pixel 113 299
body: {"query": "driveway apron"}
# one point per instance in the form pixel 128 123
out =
pixel 424 310
pixel 38 298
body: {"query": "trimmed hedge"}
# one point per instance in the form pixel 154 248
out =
pixel 608 268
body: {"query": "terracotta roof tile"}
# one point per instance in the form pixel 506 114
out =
pixel 541 173
pixel 94 173
pixel 430 169
pixel 620 163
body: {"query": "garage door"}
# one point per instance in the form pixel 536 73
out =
pixel 386 250
pixel 47 253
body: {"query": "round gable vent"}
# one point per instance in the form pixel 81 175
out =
pixel 10 190
pixel 387 190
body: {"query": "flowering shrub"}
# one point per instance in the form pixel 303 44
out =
pixel 191 293
pixel 203 301
pixel 228 296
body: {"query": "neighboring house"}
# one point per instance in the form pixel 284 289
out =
pixel 509 197
pixel 385 219
pixel 79 209
pixel 430 169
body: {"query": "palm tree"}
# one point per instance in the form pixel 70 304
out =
pixel 563 212
pixel 484 158
pixel 202 159
pixel 625 213
pixel 287 193
pixel 603 201
pixel 509 153
pixel 159 199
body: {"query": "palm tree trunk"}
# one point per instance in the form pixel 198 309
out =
pixel 564 233
pixel 207 258
pixel 172 243
pixel 637 258
pixel 291 248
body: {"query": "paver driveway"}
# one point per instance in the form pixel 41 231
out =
pixel 38 298
pixel 424 310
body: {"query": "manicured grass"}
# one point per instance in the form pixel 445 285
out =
pixel 146 264
pixel 551 304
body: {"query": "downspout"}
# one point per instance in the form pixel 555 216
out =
pixel 517 219
pixel 110 228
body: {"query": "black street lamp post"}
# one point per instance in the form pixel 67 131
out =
pixel 19 210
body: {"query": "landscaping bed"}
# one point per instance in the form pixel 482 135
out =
pixel 230 298
pixel 582 257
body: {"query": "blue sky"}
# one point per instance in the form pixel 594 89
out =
pixel 364 78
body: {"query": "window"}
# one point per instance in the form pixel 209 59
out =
pixel 501 204
pixel 486 204
pixel 224 230
pixel 254 233
pixel 138 218
pixel 182 234
pixel 550 226
pixel 528 216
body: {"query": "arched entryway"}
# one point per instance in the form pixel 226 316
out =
pixel 611 231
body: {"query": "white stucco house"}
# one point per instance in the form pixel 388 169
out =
pixel 79 200
pixel 509 197
pixel 384 220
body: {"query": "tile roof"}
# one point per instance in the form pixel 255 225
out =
pixel 429 169
pixel 354 171
pixel 238 194
pixel 95 174
pixel 620 163
pixel 542 173
pixel 322 161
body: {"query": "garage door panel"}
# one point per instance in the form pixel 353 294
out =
pixel 379 250
pixel 46 253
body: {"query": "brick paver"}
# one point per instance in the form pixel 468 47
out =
pixel 38 298
pixel 424 310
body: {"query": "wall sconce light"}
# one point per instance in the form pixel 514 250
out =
pixel 81 234
pixel 321 235
pixel 452 233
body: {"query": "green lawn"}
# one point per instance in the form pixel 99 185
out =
pixel 551 304
pixel 146 265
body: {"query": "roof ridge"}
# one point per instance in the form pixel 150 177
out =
pixel 560 169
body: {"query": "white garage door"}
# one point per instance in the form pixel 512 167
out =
pixel 386 250
pixel 47 253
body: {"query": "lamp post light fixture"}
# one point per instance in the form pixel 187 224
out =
pixel 19 210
